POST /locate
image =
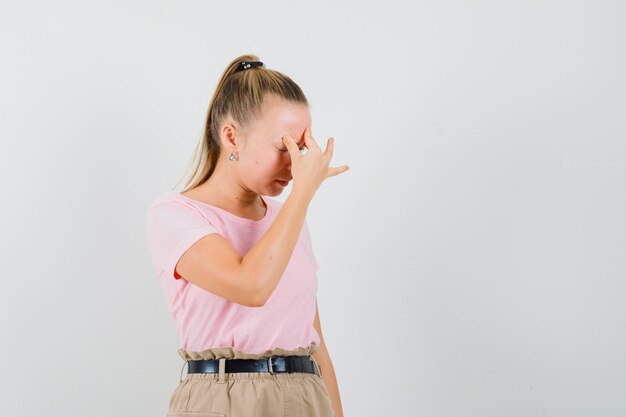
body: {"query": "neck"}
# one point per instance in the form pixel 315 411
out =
pixel 229 192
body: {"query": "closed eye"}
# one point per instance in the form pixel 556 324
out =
pixel 285 150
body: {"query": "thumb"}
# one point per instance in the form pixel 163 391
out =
pixel 291 146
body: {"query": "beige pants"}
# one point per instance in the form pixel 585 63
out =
pixel 249 394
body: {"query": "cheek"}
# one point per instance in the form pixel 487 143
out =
pixel 276 159
pixel 267 167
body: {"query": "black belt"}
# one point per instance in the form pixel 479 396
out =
pixel 274 364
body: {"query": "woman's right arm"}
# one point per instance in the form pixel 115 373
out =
pixel 265 263
pixel 214 265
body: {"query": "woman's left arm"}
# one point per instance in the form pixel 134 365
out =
pixel 322 358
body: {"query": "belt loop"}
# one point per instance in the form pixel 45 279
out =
pixel 181 370
pixel 317 367
pixel 222 371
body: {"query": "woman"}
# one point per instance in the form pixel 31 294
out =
pixel 237 268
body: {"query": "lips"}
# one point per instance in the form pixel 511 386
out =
pixel 283 183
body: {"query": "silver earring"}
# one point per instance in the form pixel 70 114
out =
pixel 232 156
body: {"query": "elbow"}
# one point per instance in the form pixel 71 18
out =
pixel 259 300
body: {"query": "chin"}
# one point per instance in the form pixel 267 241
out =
pixel 275 189
pixel 273 193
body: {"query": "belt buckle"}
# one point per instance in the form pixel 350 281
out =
pixel 269 365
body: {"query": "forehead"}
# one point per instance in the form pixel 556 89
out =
pixel 281 117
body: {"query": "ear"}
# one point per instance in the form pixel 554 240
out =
pixel 228 136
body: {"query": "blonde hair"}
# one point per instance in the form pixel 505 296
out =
pixel 239 95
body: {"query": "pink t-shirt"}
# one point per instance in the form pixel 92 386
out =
pixel 205 320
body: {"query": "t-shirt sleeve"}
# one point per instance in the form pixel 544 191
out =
pixel 171 229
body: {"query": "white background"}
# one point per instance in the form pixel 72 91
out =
pixel 472 260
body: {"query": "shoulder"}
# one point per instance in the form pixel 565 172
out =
pixel 171 205
pixel 164 200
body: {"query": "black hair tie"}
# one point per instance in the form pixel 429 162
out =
pixel 249 64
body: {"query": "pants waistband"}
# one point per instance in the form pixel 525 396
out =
pixel 272 365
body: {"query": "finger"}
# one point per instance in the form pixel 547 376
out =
pixel 330 147
pixel 292 147
pixel 337 170
pixel 308 139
